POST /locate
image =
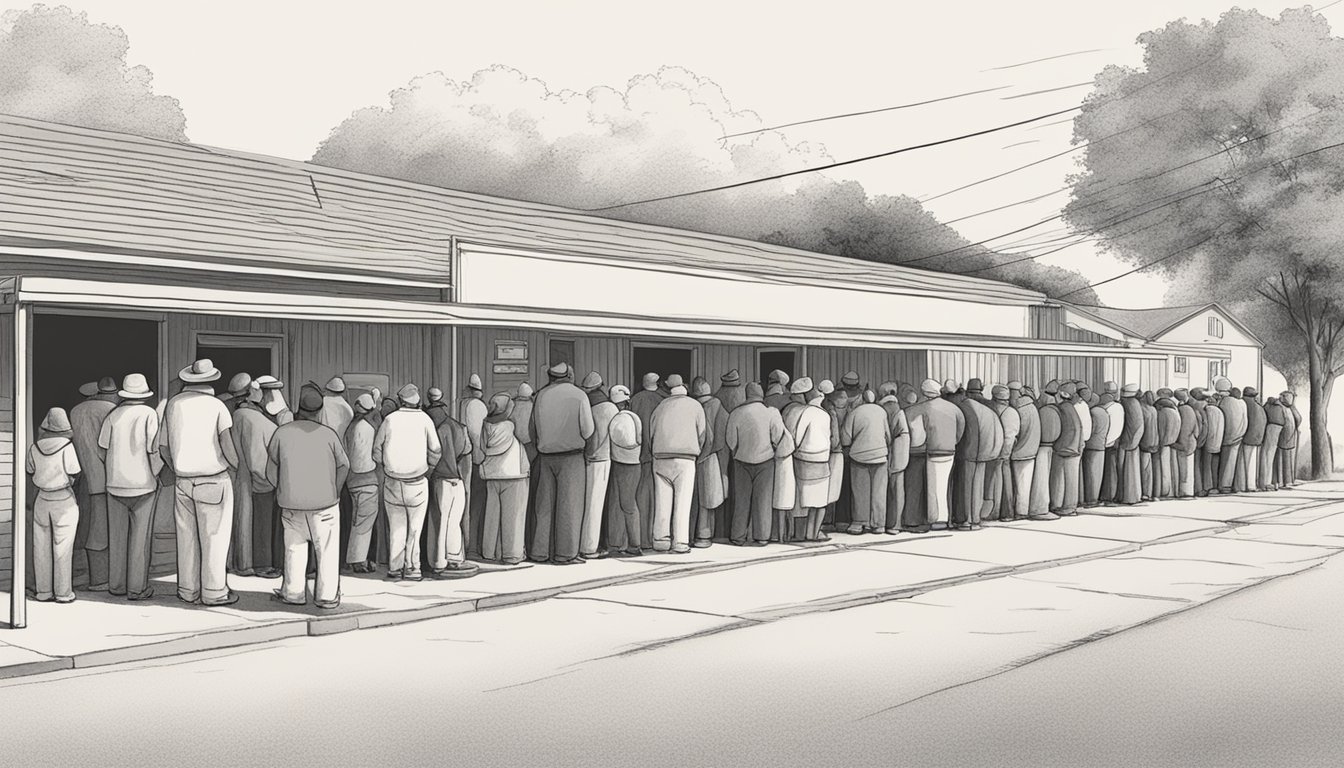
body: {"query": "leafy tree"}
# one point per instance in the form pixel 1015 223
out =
pixel 1218 164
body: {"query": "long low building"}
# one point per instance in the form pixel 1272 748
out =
pixel 125 254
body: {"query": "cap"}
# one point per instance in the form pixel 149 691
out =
pixel 675 381
pixel 1165 392
pixel 754 392
pixel 310 400
pixel 619 393
pixel 524 390
pixel 1110 388
pixel 267 382
pixel 90 389
pixel 930 388
pixel 826 387
pixel 1052 387
pixel 474 382
pixel 434 394
pixel 336 384
pixel 699 387
pixel 1014 386
pixel 1222 385
pixel 1068 389
pixel 1250 392
pixel 107 385
pixel 592 381
pixel 850 379
pixel 1130 390
pixel 650 380
pixel 801 386
pixel 56 421
pixel 731 378
pixel 1000 393
pixel 409 394
pixel 364 402
pixel 950 386
pixel 779 377
pixel 975 385
pixel 240 383
pixel 560 370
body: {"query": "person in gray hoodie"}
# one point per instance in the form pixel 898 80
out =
pixel 755 436
pixel 627 440
pixel 505 469
pixel 866 434
pixel 898 458
pixel 678 432
pixel 937 427
pixel 54 466
pixel 562 422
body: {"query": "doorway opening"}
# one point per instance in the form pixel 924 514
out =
pixel 72 350
pixel 663 361
pixel 775 360
pixel 253 355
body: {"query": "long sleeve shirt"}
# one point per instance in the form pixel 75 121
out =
pixel 407 444
pixel 1028 432
pixel 562 419
pixel 867 434
pixel 359 448
pixel 253 432
pixel 627 437
pixel 755 432
pixel 1011 423
pixel 1132 433
pixel 307 466
pixel 1234 419
pixel 1115 421
pixel 678 429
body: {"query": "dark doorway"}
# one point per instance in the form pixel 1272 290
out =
pixel 663 361
pixel 71 350
pixel 561 351
pixel 775 360
pixel 230 360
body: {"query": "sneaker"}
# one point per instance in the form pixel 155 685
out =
pixel 65 600
pixel 327 605
pixel 228 599
pixel 892 531
pixel 701 543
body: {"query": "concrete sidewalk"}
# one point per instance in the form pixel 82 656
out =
pixel 848 571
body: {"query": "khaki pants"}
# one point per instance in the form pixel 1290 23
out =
pixel 503 532
pixel 938 489
pixel 447 543
pixel 407 501
pixel 1040 481
pixel 365 501
pixel 322 529
pixel 597 474
pixel 203 512
pixel 673 485
pixel 55 518
pixel 1024 476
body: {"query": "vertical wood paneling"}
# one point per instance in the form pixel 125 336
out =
pixel 874 366
pixel 609 356
pixel 718 359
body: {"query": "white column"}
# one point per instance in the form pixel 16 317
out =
pixel 18 591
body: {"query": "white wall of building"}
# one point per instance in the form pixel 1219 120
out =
pixel 1243 367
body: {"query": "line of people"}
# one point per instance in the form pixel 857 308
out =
pixel 576 472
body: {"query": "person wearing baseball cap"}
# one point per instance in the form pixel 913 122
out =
pixel 937 425
pixel 406 446
pixel 981 444
pixel 1234 431
pixel 643 403
pixel 626 435
pixel 1022 460
pixel 677 433
pixel 730 390
pixel 1066 459
pixel 755 437
pixel 86 420
pixel 1129 446
pixel 562 423
pixel 256 548
pixel 597 466
pixel 446 533
pixel 898 458
pixel 999 478
pixel 54 466
pixel 866 434
pixel 196 440
pixel 362 483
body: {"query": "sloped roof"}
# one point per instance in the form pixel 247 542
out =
pixel 1152 323
pixel 92 190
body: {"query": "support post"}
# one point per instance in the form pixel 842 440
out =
pixel 18 591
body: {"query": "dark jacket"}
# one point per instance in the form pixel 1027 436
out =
pixel 643 403
pixel 944 425
pixel 1070 440
pixel 1168 422
pixel 1029 433
pixel 1049 415
pixel 1101 424
pixel 1129 439
pixel 1256 420
pixel 1188 436
pixel 983 438
pixel 1151 439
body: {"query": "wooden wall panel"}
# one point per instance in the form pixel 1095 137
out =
pixel 874 366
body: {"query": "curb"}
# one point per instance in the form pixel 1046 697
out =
pixel 318 626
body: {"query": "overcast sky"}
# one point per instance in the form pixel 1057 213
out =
pixel 274 78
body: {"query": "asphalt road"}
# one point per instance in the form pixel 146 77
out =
pixel 1029 669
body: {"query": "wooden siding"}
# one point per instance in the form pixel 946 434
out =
pixel 874 366
pixel 7 448
pixel 1048 323
pixel 1037 370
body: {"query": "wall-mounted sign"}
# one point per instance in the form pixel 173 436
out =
pixel 511 368
pixel 510 350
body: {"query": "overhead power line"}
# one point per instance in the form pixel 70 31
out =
pixel 867 112
pixel 1049 58
pixel 1141 267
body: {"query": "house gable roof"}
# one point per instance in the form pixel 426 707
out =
pixel 1153 323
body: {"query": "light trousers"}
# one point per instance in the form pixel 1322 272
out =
pixel 1024 476
pixel 673 486
pixel 55 518
pixel 1227 467
pixel 937 488
pixel 203 513
pixel 448 544
pixel 322 529
pixel 597 474
pixel 503 529
pixel 364 499
pixel 1269 456
pixel 406 501
pixel 1248 471
pixel 1185 472
pixel 1040 481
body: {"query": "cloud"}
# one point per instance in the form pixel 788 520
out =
pixel 502 132
pixel 55 65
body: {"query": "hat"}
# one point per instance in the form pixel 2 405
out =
pixel 336 384
pixel 199 372
pixel 650 380
pixel 1052 387
pixel 1130 390
pixel 364 402
pixel 310 400
pixel 1082 385
pixel 731 378
pixel 1165 392
pixel 1198 393
pixel 779 377
pixel 499 404
pixel 674 381
pixel 1068 389
pixel 1222 385
pixel 801 386
pixel 56 421
pixel 930 388
pixel 1110 388
pixel 90 389
pixel 1250 392
pixel 1181 395
pixel 474 382
pixel 560 370
pixel 1028 391
pixel 1014 386
pixel 754 392
pixel 592 381
pixel 826 387
pixel 434 394
pixel 134 387
pixel 850 379
pixel 267 382
pixel 409 394
pixel 1000 393
pixel 699 387
pixel 950 386
pixel 524 390
pixel 240 383
pixel 620 394
pixel 888 388
pixel 975 385
pixel 107 385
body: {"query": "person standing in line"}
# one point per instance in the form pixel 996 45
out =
pixel 1047 410
pixel 272 399
pixel 1216 425
pixel 1248 471
pixel 54 466
pixel 235 398
pixel 1068 447
pixel 505 466
pixel 785 502
pixel 1094 455
pixel 447 556
pixel 307 466
pixel 810 427
pixel 437 409
pixel 336 413
pixel 1025 448
pixel 914 513
pixel 562 422
pixel 362 483
pixel 1187 440
pixel 1267 475
pixel 1148 447
pixel 898 457
pixel 627 439
pixel 1130 491
pixel 643 404
pixel 471 414
pixel 1169 431
pixel 128 446
pixel 522 419
pixel 678 436
pixel 1289 439
pixel 730 391
pixel 1115 426
pixel 866 436
pixel 777 391
pixel 711 481
pixel 1010 422
pixel 836 407
pixel 406 446
pixel 254 545
pixel 981 444
pixel 1234 430
pixel 1199 402
pixel 944 428
pixel 597 466
pixel 197 442
pixel 1083 406
pixel 755 436
pixel 86 421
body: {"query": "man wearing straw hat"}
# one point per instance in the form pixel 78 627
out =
pixel 54 465
pixel 197 442
pixel 129 446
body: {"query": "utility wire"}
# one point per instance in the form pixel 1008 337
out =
pixel 1141 267
pixel 866 112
